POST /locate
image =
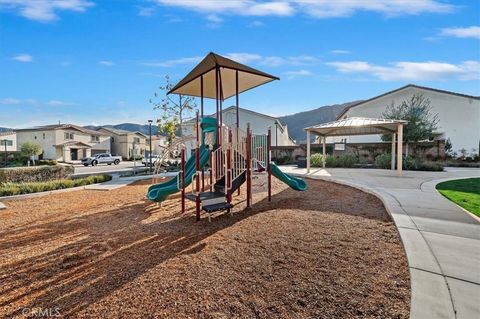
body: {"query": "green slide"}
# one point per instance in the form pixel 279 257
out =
pixel 159 192
pixel 297 184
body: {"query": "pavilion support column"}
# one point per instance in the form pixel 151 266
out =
pixel 324 151
pixel 393 151
pixel 308 151
pixel 400 149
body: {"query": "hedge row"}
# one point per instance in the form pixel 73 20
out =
pixel 9 189
pixel 409 163
pixel 381 161
pixel 35 174
pixel 346 160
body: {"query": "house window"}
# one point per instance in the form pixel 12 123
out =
pixel 113 140
pixel 68 136
pixel 136 140
pixel 43 135
pixel 95 138
pixel 8 142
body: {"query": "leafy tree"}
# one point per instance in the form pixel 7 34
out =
pixel 418 112
pixel 173 109
pixel 30 149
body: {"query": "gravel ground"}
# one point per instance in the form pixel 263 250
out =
pixel 330 252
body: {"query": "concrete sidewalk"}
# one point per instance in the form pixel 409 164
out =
pixel 118 182
pixel 441 240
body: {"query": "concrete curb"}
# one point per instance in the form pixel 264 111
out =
pixel 430 186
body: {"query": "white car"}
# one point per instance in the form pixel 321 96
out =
pixel 103 158
pixel 146 160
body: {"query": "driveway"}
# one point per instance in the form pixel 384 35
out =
pixel 104 168
pixel 441 240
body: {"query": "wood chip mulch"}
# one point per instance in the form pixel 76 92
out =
pixel 329 252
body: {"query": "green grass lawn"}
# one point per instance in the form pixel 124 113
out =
pixel 463 192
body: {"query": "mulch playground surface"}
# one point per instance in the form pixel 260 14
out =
pixel 330 252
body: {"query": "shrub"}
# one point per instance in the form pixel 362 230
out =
pixel 316 160
pixel 346 160
pixel 47 162
pixel 35 174
pixel 9 189
pixel 284 160
pixel 383 160
pixel 409 163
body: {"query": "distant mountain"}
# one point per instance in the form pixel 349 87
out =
pixel 298 121
pixel 129 127
pixel 4 129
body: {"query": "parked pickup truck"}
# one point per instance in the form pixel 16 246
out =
pixel 102 158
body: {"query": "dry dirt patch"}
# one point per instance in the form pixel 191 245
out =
pixel 329 252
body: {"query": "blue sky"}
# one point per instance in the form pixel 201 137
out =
pixel 100 61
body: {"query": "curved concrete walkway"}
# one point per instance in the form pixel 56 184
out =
pixel 441 240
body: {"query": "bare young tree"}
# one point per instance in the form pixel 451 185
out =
pixel 174 108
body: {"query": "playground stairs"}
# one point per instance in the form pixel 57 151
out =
pixel 217 200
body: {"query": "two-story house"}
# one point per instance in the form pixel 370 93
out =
pixel 123 143
pixel 8 141
pixel 65 142
pixel 259 124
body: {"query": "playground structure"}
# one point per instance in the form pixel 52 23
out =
pixel 225 157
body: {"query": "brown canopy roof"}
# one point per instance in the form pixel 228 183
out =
pixel 248 78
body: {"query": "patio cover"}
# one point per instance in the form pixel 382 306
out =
pixel 360 126
pixel 356 126
pixel 248 78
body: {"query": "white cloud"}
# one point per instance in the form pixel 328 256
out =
pixel 106 63
pixel 244 57
pixel 256 24
pixel 273 61
pixel 417 71
pixel 174 62
pixel 340 52
pixel 239 7
pixel 23 58
pixel 43 10
pixel 146 11
pixel 390 8
pixel 9 101
pixel 58 103
pixel 294 74
pixel 214 18
pixel 467 32
pixel 314 8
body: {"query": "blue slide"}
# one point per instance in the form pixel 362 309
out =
pixel 296 183
pixel 159 192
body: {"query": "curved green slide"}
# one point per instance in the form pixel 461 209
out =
pixel 159 192
pixel 296 183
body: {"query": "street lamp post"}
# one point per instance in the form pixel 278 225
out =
pixel 150 129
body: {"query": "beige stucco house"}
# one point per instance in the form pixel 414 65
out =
pixel 159 144
pixel 458 115
pixel 259 124
pixel 65 142
pixel 122 142
pixel 8 141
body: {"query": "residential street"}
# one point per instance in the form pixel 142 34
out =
pixel 104 168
